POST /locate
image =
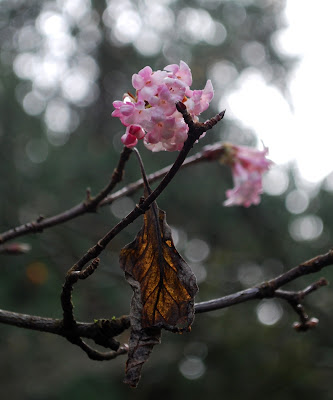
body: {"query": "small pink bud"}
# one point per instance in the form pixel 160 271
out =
pixel 16 248
pixel 313 322
pixel 129 140
pixel 136 130
pixel 302 327
pixel 132 135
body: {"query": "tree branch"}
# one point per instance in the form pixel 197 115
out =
pixel 72 277
pixel 269 289
pixel 68 327
pixel 196 129
pixel 103 331
pixel 97 330
pixel 208 153
pixel 89 205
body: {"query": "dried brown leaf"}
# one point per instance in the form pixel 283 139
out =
pixel 163 289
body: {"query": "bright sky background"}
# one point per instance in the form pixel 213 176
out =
pixel 304 131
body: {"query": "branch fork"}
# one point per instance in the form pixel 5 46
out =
pixel 103 331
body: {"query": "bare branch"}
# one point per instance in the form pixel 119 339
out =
pixel 98 355
pixel 102 331
pixel 66 295
pixel 90 205
pixel 195 131
pixel 269 289
pixel 77 271
pixel 117 176
pixel 208 153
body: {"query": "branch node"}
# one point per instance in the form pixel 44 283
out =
pixel 100 245
pixel 108 329
pixel 40 218
pixel 138 206
pixel 266 290
pixel 85 273
pixel 187 117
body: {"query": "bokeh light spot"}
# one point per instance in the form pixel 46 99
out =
pixel 196 25
pixel 50 23
pixel 253 53
pixel 24 65
pixel 199 271
pixel 269 312
pixel 192 367
pixel 58 116
pixel 306 228
pixel 197 250
pixel 37 273
pixel 148 43
pixel 76 9
pixel 121 207
pixel 222 72
pixel 127 27
pixel 179 237
pixel 275 181
pixel 33 103
pixel 297 201
pixel 249 274
pixel 159 17
pixel 75 86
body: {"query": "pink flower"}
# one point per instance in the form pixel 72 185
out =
pixel 248 166
pixel 199 99
pixel 181 72
pixel 146 82
pixel 132 135
pixel 131 113
pixel 153 108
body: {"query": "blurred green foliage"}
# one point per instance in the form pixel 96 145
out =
pixel 62 63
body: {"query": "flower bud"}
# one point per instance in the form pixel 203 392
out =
pixel 15 248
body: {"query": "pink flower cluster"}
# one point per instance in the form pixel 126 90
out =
pixel 248 166
pixel 151 114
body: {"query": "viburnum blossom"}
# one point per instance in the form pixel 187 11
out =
pixel 247 165
pixel 151 114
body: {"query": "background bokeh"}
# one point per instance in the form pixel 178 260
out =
pixel 62 64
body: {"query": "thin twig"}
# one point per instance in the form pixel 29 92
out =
pixel 268 289
pixel 72 277
pixel 271 289
pixel 117 177
pixel 101 329
pixel 208 153
pixel 96 331
pixel 77 272
pixel 89 205
pixel 98 355
pixel 194 133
